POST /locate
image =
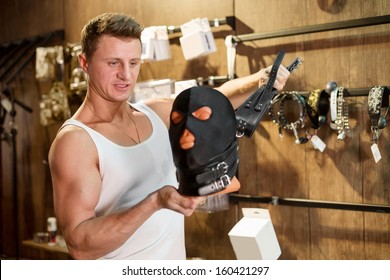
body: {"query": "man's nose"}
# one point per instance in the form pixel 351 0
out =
pixel 124 73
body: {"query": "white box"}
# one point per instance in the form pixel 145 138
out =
pixel 194 45
pixel 193 26
pixel 197 39
pixel 155 44
pixel 153 89
pixel 162 50
pixel 254 237
pixel 148 37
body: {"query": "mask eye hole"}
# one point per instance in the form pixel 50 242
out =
pixel 203 113
pixel 176 117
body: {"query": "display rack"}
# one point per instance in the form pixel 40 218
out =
pixel 363 22
pixel 16 56
pixel 274 200
pixel 229 20
pixel 348 92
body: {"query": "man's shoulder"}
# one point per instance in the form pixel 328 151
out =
pixel 161 106
pixel 70 133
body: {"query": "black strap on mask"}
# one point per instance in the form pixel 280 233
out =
pixel 249 114
pixel 213 177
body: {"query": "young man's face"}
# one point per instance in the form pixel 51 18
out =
pixel 114 67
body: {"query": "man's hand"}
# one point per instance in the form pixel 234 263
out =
pixel 281 78
pixel 168 197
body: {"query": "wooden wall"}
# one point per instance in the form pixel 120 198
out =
pixel 345 171
pixel 269 166
pixel 21 21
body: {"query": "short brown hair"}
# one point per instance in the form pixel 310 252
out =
pixel 113 24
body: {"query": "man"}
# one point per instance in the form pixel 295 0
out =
pixel 115 190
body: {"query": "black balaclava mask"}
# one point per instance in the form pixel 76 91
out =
pixel 209 165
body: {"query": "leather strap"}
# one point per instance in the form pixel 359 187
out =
pixel 250 113
pixel 211 177
pixel 213 173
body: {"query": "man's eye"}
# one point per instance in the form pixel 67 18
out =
pixel 134 63
pixel 176 117
pixel 113 63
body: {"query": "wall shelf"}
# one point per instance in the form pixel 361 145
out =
pixel 314 28
pixel 311 203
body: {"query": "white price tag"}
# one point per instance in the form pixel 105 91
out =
pixel 376 153
pixel 333 104
pixel 317 143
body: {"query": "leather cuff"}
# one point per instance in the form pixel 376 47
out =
pixel 317 107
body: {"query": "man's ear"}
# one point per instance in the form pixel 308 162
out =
pixel 83 62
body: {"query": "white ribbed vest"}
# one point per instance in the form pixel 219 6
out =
pixel 128 175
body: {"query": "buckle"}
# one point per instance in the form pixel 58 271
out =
pixel 241 125
pixel 223 182
pixel 215 186
pixel 227 161
pixel 376 132
pixel 222 165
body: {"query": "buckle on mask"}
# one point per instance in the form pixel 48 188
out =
pixel 214 173
pixel 222 166
pixel 215 186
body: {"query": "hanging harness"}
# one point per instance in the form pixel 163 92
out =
pixel 249 114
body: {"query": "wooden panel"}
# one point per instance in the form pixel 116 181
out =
pixel 19 20
pixel 207 234
pixel 344 172
pixel 33 189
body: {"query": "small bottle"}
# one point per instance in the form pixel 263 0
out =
pixel 52 230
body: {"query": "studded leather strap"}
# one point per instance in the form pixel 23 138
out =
pixel 250 113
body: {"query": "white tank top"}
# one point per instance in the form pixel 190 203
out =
pixel 128 175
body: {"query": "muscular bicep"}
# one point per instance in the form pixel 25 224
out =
pixel 75 175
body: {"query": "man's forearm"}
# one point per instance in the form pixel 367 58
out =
pixel 238 90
